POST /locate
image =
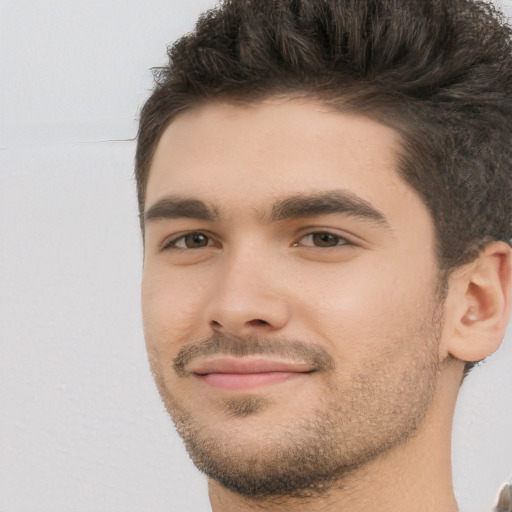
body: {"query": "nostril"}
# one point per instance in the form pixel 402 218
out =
pixel 258 321
pixel 254 323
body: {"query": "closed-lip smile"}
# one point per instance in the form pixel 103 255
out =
pixel 232 373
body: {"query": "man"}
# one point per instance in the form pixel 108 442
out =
pixel 324 190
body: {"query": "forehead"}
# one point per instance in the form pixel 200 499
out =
pixel 246 157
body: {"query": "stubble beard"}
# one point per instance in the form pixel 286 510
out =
pixel 381 407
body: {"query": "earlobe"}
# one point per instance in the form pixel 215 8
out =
pixel 481 303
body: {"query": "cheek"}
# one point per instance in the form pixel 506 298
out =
pixel 367 303
pixel 170 310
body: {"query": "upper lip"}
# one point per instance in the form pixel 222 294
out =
pixel 247 365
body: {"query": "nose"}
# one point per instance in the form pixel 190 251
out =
pixel 247 297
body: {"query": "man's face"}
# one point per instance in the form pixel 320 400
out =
pixel 289 293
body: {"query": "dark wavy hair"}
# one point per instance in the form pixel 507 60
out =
pixel 437 71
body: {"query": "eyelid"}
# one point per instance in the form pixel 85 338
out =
pixel 348 238
pixel 338 238
pixel 170 241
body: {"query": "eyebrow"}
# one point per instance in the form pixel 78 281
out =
pixel 172 207
pixel 324 203
pixel 299 206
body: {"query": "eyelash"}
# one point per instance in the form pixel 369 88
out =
pixel 340 241
pixel 173 243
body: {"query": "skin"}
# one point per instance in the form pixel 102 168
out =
pixel 360 287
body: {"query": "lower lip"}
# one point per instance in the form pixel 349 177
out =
pixel 244 381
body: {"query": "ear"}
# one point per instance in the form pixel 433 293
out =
pixel 479 303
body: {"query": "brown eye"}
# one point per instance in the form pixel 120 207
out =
pixel 195 240
pixel 325 239
pixel 322 239
pixel 189 241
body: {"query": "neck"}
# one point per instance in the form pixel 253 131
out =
pixel 415 476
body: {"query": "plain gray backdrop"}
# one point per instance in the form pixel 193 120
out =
pixel 81 426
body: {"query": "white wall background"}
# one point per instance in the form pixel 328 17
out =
pixel 81 426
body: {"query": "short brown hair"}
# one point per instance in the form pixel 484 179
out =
pixel 438 71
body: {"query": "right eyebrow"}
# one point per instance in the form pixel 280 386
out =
pixel 328 202
pixel 173 207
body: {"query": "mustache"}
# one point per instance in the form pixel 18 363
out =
pixel 314 355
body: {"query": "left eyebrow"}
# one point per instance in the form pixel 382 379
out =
pixel 324 203
pixel 174 207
